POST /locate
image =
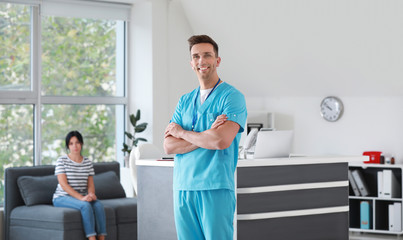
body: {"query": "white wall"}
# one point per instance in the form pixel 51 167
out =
pixel 368 123
pixel 306 48
pixel 148 69
pixel 159 63
pixel 181 76
pixel 285 56
pixel 140 68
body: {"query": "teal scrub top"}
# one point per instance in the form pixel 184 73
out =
pixel 204 169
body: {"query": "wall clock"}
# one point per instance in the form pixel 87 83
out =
pixel 331 108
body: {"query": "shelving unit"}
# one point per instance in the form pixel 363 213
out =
pixel 379 206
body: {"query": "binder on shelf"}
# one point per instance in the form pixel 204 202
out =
pixel 365 215
pixel 391 187
pixel 391 209
pixel 361 183
pixel 397 217
pixel 377 212
pixel 380 184
pixel 353 184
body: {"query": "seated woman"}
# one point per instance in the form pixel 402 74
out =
pixel 76 187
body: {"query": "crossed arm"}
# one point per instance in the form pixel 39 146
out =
pixel 219 136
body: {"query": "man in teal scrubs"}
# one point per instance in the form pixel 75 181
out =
pixel 204 134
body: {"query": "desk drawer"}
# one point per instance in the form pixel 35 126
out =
pixel 332 226
pixel 292 200
pixel 292 174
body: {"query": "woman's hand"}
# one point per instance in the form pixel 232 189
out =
pixel 87 198
pixel 93 196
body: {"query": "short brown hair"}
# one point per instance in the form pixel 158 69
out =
pixel 196 39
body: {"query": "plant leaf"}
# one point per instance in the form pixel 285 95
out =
pixel 126 148
pixel 138 114
pixel 129 135
pixel 137 129
pixel 133 120
pixel 140 128
pixel 142 124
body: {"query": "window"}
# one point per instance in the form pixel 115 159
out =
pixel 97 123
pixel 15 41
pixel 16 138
pixel 61 70
pixel 79 57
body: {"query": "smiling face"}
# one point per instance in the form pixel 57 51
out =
pixel 204 62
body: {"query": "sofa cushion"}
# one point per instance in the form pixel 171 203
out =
pixel 107 186
pixel 47 218
pixel 125 209
pixel 37 189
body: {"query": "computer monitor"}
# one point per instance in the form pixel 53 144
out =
pixel 273 144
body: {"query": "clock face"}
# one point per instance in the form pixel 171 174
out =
pixel 331 109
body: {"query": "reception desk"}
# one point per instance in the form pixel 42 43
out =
pixel 283 198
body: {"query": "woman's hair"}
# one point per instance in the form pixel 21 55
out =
pixel 196 39
pixel 76 134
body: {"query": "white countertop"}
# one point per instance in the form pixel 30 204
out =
pixel 270 161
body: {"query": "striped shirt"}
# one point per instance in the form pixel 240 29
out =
pixel 77 175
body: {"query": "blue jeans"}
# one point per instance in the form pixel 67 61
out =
pixel 92 214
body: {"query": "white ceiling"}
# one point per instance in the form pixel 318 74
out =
pixel 305 48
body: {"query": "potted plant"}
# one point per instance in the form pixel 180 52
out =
pixel 137 128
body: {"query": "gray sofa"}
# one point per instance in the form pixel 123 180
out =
pixel 29 213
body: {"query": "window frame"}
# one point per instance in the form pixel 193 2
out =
pixel 35 98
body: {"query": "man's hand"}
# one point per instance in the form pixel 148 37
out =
pixel 220 120
pixel 174 130
pixel 219 136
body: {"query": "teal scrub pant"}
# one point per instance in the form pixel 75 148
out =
pixel 204 215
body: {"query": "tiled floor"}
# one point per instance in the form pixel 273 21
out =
pixel 368 236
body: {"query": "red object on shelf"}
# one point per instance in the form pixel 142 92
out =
pixel 374 156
